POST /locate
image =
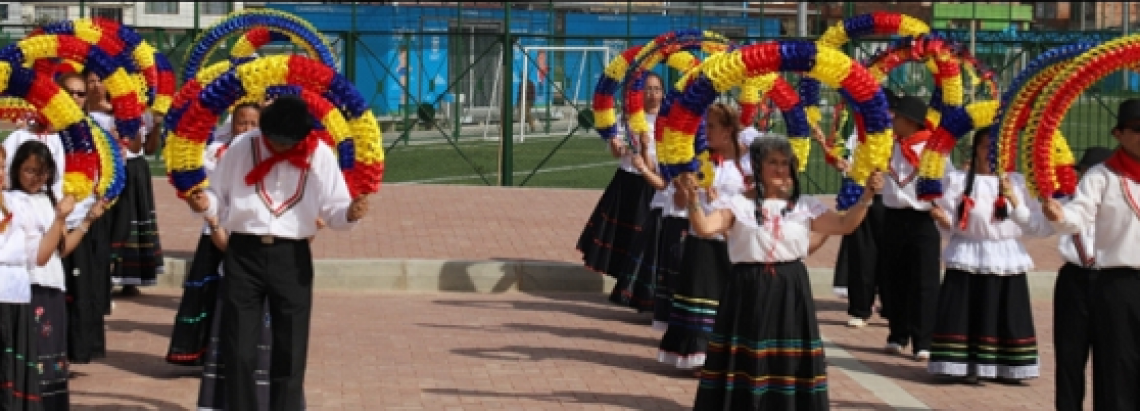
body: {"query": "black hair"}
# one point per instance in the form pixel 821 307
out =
pixel 40 151
pixel 1001 210
pixel 760 149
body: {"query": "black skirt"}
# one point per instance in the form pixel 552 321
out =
pixel 670 247
pixel 49 316
pixel 636 280
pixel 21 384
pixel 765 351
pixel 135 248
pixel 190 337
pixel 88 278
pixel 616 219
pixel 211 391
pixel 705 271
pixel 984 327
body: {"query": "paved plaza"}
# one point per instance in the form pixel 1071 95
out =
pixel 390 350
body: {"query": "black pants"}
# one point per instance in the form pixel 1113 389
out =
pixel 283 272
pixel 1116 334
pixel 910 260
pixel 863 261
pixel 1072 333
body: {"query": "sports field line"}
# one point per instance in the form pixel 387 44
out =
pixel 517 173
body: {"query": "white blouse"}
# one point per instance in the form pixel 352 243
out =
pixel 627 159
pixel 728 181
pixel 784 236
pixel 1111 204
pixel 41 211
pixel 17 254
pixel 985 246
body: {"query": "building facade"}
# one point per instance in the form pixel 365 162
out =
pixel 174 15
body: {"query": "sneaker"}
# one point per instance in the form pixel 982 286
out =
pixel 856 323
pixel 922 355
pixel 840 292
pixel 130 291
pixel 893 348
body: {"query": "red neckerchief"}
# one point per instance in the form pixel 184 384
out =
pixel 912 158
pixel 298 155
pixel 1124 165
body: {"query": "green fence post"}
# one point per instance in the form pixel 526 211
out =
pixel 350 50
pixel 506 116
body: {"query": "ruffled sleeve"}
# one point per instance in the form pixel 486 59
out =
pixel 812 207
pixel 1028 214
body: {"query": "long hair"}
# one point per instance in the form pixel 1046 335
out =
pixel 760 149
pixel 4 213
pixel 726 116
pixel 1001 212
pixel 38 150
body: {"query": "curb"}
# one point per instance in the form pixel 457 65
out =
pixel 418 275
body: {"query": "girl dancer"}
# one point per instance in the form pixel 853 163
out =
pixel 765 350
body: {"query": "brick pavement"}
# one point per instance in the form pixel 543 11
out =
pixel 467 223
pixel 443 351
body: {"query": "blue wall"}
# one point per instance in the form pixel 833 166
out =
pixel 379 72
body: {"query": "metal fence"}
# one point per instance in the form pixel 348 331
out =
pixel 443 85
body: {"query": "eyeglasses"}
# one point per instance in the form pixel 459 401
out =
pixel 77 93
pixel 31 172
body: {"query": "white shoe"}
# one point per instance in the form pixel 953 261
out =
pixel 893 348
pixel 840 292
pixel 923 355
pixel 856 323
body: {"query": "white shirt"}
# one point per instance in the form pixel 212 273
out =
pixel 43 215
pixel 904 196
pixel 17 254
pixel 1111 204
pixel 1035 221
pixel 783 237
pixel 107 121
pixel 55 146
pixel 298 196
pixel 728 182
pixel 985 246
pixel 627 159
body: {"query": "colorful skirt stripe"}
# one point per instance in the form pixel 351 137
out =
pixel 190 337
pixel 765 351
pixel 135 248
pixel 705 271
pixel 637 280
pixel 618 217
pixel 670 251
pixel 984 327
pixel 21 382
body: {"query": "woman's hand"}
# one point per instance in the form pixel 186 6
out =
pixel 941 217
pixel 64 207
pixel 1006 190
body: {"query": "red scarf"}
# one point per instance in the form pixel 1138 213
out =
pixel 298 155
pixel 1125 165
pixel 907 146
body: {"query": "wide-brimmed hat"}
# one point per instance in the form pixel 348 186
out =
pixel 911 108
pixel 1093 156
pixel 1128 113
pixel 286 120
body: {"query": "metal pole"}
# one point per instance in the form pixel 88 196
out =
pixel 506 118
pixel 82 7
pixel 196 22
pixel 801 19
pixel 456 102
pixel 349 61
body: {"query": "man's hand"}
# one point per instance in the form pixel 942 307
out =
pixel 941 217
pixel 198 201
pixel 358 208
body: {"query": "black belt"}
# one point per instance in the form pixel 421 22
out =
pixel 267 239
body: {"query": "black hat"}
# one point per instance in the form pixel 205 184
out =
pixel 286 120
pixel 911 108
pixel 892 98
pixel 1093 156
pixel 1128 112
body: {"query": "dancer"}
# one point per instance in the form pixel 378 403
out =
pixel 765 350
pixel 135 246
pixel 984 326
pixel 909 255
pixel 35 171
pixel 705 265
pixel 311 186
pixel 624 205
pixel 1108 197
pixel 190 337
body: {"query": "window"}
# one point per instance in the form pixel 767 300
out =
pixel 109 13
pixel 162 7
pixel 51 13
pixel 3 12
pixel 214 7
pixel 1043 10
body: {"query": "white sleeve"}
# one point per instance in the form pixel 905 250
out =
pixel 335 198
pixel 1081 212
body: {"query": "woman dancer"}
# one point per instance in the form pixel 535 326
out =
pixel 705 265
pixel 984 326
pixel 766 328
pixel 624 205
pixel 191 335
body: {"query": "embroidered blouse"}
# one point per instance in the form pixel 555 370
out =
pixel 784 236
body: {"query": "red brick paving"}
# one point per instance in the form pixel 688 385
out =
pixel 467 223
